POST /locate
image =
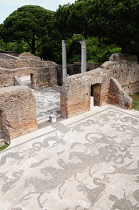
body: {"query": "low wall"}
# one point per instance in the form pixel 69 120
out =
pixel 117 96
pixel 17 111
pixel 74 68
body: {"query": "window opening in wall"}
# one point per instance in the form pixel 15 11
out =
pixel 95 95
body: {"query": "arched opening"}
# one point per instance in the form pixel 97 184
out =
pixel 95 95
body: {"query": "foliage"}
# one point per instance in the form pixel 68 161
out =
pixel 99 51
pixel 108 26
pixel 29 23
pixel 74 48
pixel 18 47
pixel 135 103
pixel 4 146
pixel 115 20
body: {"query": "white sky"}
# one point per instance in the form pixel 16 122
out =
pixel 8 6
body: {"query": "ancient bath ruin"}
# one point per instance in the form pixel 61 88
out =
pixel 74 143
pixel 78 85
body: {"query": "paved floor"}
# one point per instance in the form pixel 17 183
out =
pixel 47 102
pixel 89 162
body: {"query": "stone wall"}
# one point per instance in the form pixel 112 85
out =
pixel 6 78
pixel 125 69
pixel 117 96
pixel 74 68
pixel 44 77
pixel 25 65
pixel 7 56
pixel 29 56
pixel 9 63
pixel 17 111
pixel 75 96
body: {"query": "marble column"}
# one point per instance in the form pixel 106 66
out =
pixel 64 60
pixel 83 56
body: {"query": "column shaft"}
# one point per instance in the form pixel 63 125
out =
pixel 64 60
pixel 83 56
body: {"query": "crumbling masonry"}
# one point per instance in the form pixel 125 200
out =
pixel 110 83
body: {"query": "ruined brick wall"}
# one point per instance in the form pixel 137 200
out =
pixel 72 69
pixel 6 78
pixel 24 65
pixel 75 96
pixel 28 56
pixel 91 65
pixel 125 69
pixel 7 56
pixel 44 77
pixel 117 96
pixel 17 111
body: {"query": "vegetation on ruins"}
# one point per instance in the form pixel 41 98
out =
pixel 3 146
pixel 135 103
pixel 108 26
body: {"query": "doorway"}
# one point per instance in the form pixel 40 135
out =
pixel 32 78
pixel 95 95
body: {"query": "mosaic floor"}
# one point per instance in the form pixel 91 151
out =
pixel 89 162
pixel 47 101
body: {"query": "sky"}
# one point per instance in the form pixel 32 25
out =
pixel 8 6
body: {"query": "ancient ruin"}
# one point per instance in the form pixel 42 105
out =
pixel 17 112
pixel 86 162
pixel 111 83
pixel 82 84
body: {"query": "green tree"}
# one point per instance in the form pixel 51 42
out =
pixel 29 23
pixel 116 20
pixel 113 21
pixel 61 21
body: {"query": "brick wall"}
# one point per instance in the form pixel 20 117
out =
pixel 17 111
pixel 75 96
pixel 25 65
pixel 117 96
pixel 44 77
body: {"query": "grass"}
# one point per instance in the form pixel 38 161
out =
pixel 135 103
pixel 2 147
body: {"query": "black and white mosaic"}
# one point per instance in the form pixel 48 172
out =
pixel 86 164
